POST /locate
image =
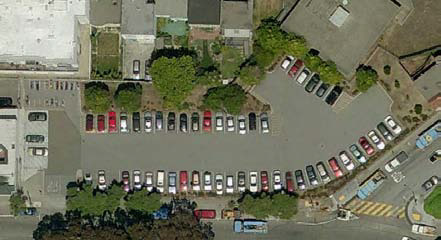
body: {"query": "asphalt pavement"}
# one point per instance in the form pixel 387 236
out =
pixel 17 228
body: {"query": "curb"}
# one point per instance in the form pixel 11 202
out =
pixel 316 224
pixel 407 209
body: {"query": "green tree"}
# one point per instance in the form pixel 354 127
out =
pixel 314 62
pixel 296 46
pixel 16 202
pixel 270 37
pixel 97 97
pixel 143 201
pixel 279 205
pixel 418 108
pixel 262 57
pixel 174 78
pixel 128 96
pixel 229 98
pixel 366 77
pixel 251 75
pixel 329 73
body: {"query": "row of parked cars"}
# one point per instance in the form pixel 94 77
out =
pixel 302 75
pixel 36 139
pixel 154 121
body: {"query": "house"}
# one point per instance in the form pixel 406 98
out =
pixel 204 19
pixel 237 22
pixel 105 13
pixel 176 10
pixel 8 139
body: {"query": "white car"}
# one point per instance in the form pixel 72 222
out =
pixel 195 182
pixel 207 181
pixel 230 123
pixel 219 121
pixel 230 184
pixel 303 76
pixel 277 180
pixel 137 185
pixel 219 184
pixel 148 122
pixel 253 182
pixel 264 122
pixel 392 125
pixel 376 140
pixel 123 123
pixel 241 124
pixel 149 181
pixel 346 161
pixel 38 151
pixel 288 60
pixel 160 181
pixel 102 180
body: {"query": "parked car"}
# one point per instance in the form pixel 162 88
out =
pixel 333 95
pixel 303 76
pixel 322 90
pixel 300 179
pixel 112 122
pixel 160 180
pixel 89 122
pixel 230 123
pixel 148 122
pixel 324 175
pixel 253 182
pixel 312 84
pixel 88 179
pixel 137 183
pixel 195 181
pixel 277 180
pixel 195 122
pixel 429 184
pixel 147 76
pixel 158 121
pixel 149 181
pixel 125 176
pixel 183 181
pixel 376 140
pixel 172 182
pixel 207 121
pixel 312 176
pixel 136 68
pixel 101 123
pixel 183 124
pixel 241 124
pixel 241 181
pixel 289 182
pixel 436 155
pixel 264 122
pixel 295 68
pixel 136 120
pixel 38 151
pixel 102 185
pixel 34 138
pixel 207 181
pixel 229 184
pixel 264 181
pixel 123 127
pixel 252 123
pixel 335 167
pixel 37 116
pixel 384 131
pixel 396 161
pixel 171 119
pixel 396 129
pixel 286 62
pixel 357 153
pixel 219 121
pixel 344 158
pixel 205 213
pixel 219 184
pixel 366 146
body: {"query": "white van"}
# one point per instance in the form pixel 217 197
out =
pixel 288 60
pixel 160 181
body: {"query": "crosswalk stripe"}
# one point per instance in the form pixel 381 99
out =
pixel 352 203
pixel 371 208
pixel 401 211
pixel 384 211
pixel 359 205
pixel 359 210
pixel 377 209
pixel 390 213
pixel 402 215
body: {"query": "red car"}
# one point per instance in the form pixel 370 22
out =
pixel 183 181
pixel 366 146
pixel 89 123
pixel 295 68
pixel 289 182
pixel 264 181
pixel 207 121
pixel 101 123
pixel 112 122
pixel 335 168
pixel 205 213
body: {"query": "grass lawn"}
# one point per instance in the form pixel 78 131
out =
pixel 108 44
pixel 104 66
pixel 231 60
pixel 265 8
pixel 432 204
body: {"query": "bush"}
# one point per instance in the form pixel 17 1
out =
pixel 418 108
pixel 17 203
pixel 228 98
pixel 366 77
pixel 128 96
pixel 143 201
pixel 279 205
pixel 97 97
pixel 397 83
pixel 250 75
pixel 386 69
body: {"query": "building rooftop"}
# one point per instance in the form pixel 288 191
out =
pixel 8 138
pixel 171 8
pixel 237 14
pixel 138 17
pixel 105 12
pixel 349 44
pixel 41 30
pixel 429 84
pixel 206 12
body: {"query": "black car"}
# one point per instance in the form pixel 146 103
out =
pixel 37 116
pixel 195 122
pixel 333 95
pixel 5 102
pixel 89 122
pixel 158 121
pixel 34 138
pixel 183 122
pixel 136 122
pixel 300 179
pixel 312 84
pixel 384 131
pixel 322 90
pixel 312 177
pixel 171 119
pixel 252 121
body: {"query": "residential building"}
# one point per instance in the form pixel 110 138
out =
pixel 174 9
pixel 8 138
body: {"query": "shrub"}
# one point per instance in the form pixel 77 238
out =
pixel 418 108
pixel 366 77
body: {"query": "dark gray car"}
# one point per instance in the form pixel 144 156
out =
pixel 183 123
pixel 136 121
pixel 312 84
pixel 159 121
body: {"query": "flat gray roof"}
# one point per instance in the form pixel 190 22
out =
pixel 204 12
pixel 237 14
pixel 8 138
pixel 349 44
pixel 105 12
pixel 138 18
pixel 429 84
pixel 171 8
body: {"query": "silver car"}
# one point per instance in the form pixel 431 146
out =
pixel 230 123
pixel 219 121
pixel 219 184
pixel 207 181
pixel 124 128
pixel 148 122
pixel 159 121
pixel 172 182
pixel 264 123
pixel 241 124
pixel 149 181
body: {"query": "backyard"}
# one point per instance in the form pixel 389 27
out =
pixel 264 9
pixel 105 55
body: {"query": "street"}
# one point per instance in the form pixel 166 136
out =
pixel 17 228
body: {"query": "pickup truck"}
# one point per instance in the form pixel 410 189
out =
pixel 397 161
pixel 423 229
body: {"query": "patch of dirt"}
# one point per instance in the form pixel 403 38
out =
pixel 203 34
pixel 254 105
pixel 266 8
pixel 150 98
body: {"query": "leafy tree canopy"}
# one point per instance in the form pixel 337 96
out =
pixel 128 96
pixel 366 77
pixel 97 97
pixel 143 201
pixel 228 98
pixel 251 75
pixel 279 205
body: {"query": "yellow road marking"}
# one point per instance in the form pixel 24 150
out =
pixel 359 204
pixel 401 212
pixel 392 212
pixel 402 215
pixel 352 203
pixel 364 207
pixel 373 207
pixel 379 209
pixel 384 211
